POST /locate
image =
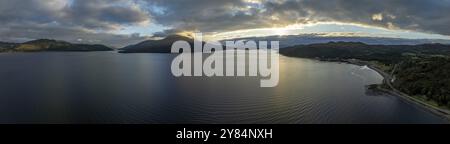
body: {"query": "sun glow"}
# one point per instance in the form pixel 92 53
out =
pixel 325 29
pixel 280 31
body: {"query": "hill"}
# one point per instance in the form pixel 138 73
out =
pixel 426 77
pixel 306 39
pixel 387 54
pixel 156 46
pixel 49 45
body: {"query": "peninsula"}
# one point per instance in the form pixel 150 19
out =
pixel 416 73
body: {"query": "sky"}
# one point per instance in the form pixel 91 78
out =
pixel 119 23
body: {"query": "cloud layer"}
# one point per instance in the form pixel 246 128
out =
pixel 204 15
pixel 97 21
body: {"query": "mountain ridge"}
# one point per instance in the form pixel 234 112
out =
pixel 40 45
pixel 347 50
pixel 156 46
pixel 306 39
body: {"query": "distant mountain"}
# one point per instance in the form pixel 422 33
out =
pixel 305 39
pixel 349 50
pixel 50 45
pixel 156 46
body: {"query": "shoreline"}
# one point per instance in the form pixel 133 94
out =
pixel 444 113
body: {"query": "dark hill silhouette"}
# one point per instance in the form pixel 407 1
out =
pixel 358 50
pixel 50 45
pixel 156 46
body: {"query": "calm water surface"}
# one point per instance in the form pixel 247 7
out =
pixel 107 87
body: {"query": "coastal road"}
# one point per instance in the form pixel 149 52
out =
pixel 387 80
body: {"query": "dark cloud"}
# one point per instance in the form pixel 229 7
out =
pixel 99 14
pixel 420 15
pixel 22 33
pixel 104 14
pixel 204 15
